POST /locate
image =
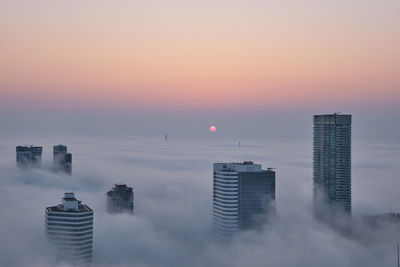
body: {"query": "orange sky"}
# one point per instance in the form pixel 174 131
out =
pixel 198 53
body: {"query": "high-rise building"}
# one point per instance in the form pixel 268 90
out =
pixel 59 150
pixel 120 199
pixel 69 226
pixel 29 155
pixel 62 160
pixel 243 196
pixel 332 163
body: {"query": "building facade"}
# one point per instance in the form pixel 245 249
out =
pixel 62 160
pixel 332 163
pixel 69 227
pixel 243 196
pixel 120 199
pixel 29 155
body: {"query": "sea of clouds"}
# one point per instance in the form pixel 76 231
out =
pixel 172 221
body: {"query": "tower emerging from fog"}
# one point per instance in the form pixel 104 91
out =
pixel 243 196
pixel 62 160
pixel 120 199
pixel 28 155
pixel 69 226
pixel 332 163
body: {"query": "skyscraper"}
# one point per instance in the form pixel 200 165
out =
pixel 69 226
pixel 28 155
pixel 120 199
pixel 58 152
pixel 332 163
pixel 243 196
pixel 62 160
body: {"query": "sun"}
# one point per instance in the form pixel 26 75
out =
pixel 213 129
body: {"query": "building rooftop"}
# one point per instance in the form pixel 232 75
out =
pixel 334 118
pixel 60 208
pixel 59 148
pixel 69 204
pixel 28 148
pixel 120 190
pixel 245 166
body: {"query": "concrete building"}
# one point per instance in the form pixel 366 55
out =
pixel 28 155
pixel 62 160
pixel 243 196
pixel 69 226
pixel 332 164
pixel 120 199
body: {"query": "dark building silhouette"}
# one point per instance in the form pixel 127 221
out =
pixel 120 199
pixel 382 220
pixel 332 164
pixel 28 155
pixel 243 196
pixel 62 160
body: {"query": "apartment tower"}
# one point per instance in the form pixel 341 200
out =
pixel 332 163
pixel 69 227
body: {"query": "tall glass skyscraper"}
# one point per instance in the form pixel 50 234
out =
pixel 243 197
pixel 332 163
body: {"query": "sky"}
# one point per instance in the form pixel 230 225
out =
pixel 172 221
pixel 254 69
pixel 199 55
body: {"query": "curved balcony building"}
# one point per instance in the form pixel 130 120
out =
pixel 69 226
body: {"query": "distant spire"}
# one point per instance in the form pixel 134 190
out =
pixel 166 136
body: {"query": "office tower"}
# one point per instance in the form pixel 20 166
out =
pixel 62 160
pixel 29 155
pixel 120 199
pixel 243 196
pixel 69 226
pixel 332 164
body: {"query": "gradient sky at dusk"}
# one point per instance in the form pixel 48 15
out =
pixel 199 54
pixel 109 78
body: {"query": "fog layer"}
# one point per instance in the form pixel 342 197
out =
pixel 172 223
